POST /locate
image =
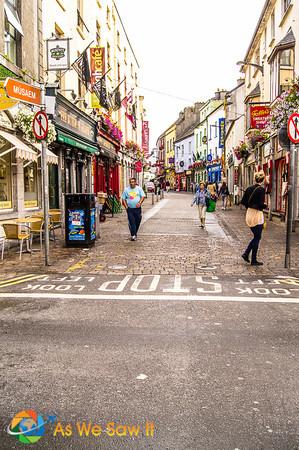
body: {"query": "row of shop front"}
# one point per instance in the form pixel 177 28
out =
pixel 183 181
pixel 83 159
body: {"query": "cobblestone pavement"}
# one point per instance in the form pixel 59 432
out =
pixel 170 242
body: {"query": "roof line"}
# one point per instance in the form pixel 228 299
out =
pixel 257 27
pixel 123 27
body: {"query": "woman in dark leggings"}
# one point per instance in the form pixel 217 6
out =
pixel 254 199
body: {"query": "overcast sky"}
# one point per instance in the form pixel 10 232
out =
pixel 186 49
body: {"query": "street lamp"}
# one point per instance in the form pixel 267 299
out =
pixel 246 63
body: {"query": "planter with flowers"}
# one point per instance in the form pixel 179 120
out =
pixel 111 128
pixel 23 122
pixel 241 151
pixel 256 137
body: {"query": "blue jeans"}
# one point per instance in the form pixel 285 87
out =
pixel 254 244
pixel 134 218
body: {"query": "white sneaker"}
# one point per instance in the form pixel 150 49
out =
pixel 133 238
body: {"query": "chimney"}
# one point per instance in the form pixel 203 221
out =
pixel 217 95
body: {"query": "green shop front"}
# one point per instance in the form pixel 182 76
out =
pixel 75 146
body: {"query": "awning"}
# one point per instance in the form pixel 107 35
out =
pixel 13 18
pixel 78 143
pixel 51 157
pixel 23 151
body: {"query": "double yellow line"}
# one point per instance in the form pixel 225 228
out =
pixel 19 280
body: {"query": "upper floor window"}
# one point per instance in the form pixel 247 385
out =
pixel 12 32
pixel 108 55
pixel 125 55
pixel 98 33
pixel 190 147
pixel 273 25
pixel 282 72
pixel 108 16
pixel 183 152
pixel 216 129
pixel 265 42
pixel 285 5
pixel 132 71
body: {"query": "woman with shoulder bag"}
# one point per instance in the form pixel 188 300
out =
pixel 201 198
pixel 254 202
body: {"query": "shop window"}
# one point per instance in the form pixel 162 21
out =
pixel 5 182
pixel 30 185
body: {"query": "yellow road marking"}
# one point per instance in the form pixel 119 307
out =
pixel 19 280
pixel 78 265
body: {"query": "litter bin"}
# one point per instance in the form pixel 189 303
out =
pixel 80 220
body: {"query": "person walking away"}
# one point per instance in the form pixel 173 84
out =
pixel 201 198
pixel 254 202
pixel 167 186
pixel 132 199
pixel 224 194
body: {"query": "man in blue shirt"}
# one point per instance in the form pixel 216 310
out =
pixel 132 199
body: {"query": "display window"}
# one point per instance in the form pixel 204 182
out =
pixel 5 182
pixel 30 185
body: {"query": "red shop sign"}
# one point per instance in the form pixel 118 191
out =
pixel 259 116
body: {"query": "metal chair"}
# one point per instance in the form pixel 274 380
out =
pixel 14 232
pixel 40 215
pixel 56 220
pixel 37 228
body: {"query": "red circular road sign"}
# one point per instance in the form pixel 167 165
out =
pixel 40 125
pixel 293 128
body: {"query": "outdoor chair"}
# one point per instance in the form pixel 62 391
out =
pixel 56 220
pixel 37 228
pixel 14 232
pixel 2 241
pixel 51 225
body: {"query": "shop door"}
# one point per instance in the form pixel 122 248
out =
pixel 281 182
pixel 53 186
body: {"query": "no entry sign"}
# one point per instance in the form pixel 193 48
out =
pixel 40 125
pixel 293 128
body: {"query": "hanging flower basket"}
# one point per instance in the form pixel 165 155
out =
pixel 286 104
pixel 257 136
pixel 241 151
pixel 23 122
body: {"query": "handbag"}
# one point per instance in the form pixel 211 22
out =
pixel 253 217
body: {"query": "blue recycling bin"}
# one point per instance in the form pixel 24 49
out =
pixel 80 220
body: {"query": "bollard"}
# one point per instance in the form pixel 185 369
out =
pixel 153 198
pixel 157 197
pixel 162 193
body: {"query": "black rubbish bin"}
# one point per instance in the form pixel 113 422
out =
pixel 80 220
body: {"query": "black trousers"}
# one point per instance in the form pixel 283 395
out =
pixel 254 243
pixel 134 218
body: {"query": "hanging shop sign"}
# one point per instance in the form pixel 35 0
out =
pixel 58 54
pixel 22 91
pixel 5 102
pixel 210 157
pixel 97 70
pixel 138 166
pixel 204 140
pixel 221 132
pixel 259 116
pixel 145 137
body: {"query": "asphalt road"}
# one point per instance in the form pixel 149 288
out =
pixel 203 373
